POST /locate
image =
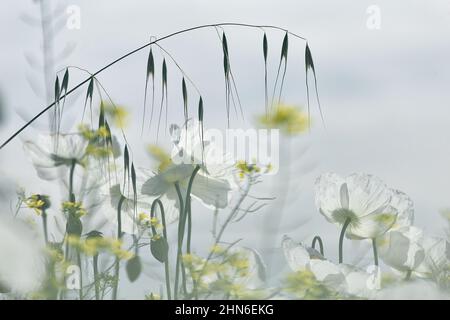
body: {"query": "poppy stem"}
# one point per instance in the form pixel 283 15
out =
pixel 341 239
pixel 375 251
pixel 317 239
pixel 166 262
pixel 119 236
pixel 44 225
pixel 180 239
pixel 72 171
pixel 96 280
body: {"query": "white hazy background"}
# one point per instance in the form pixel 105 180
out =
pixel 384 92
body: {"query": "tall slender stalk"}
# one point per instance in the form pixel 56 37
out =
pixel 166 263
pixel 72 171
pixel 375 251
pixel 37 116
pixel 81 274
pixel 96 279
pixel 44 225
pixel 341 239
pixel 119 236
pixel 180 239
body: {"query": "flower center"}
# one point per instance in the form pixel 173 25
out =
pixel 341 215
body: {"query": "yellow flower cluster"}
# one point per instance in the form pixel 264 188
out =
pixel 73 208
pixel 90 134
pixel 119 114
pixel 304 285
pixel 144 220
pixel 38 203
pixel 289 119
pixel 152 296
pixel 246 169
pixel 226 274
pixel 93 245
pixel 160 155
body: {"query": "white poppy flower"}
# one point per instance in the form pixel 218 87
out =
pixel 340 277
pixel 111 193
pixel 212 184
pixel 22 266
pixel 50 153
pixel 437 257
pixel 401 248
pixel 362 200
pixel 299 257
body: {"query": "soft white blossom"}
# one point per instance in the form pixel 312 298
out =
pixel 369 206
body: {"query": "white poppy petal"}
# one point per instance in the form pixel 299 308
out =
pixel 373 225
pixel 212 192
pixel 367 193
pixel 405 208
pixel 401 250
pixel 296 254
pixel 328 194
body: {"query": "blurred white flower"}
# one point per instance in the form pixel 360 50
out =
pixel 401 248
pixel 363 201
pixel 22 266
pixel 130 208
pixel 437 257
pixel 339 277
pixel 212 184
pixel 417 289
pixel 51 153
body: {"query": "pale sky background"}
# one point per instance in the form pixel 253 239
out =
pixel 384 92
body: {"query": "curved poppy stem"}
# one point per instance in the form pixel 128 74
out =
pixel 319 240
pixel 341 239
pixel 166 263
pixel 375 251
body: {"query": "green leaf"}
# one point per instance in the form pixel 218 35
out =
pixel 134 268
pixel 224 44
pixel 74 225
pixel 90 90
pixel 200 110
pixel 150 64
pixel 126 162
pixel 109 137
pixel 265 47
pixel 65 82
pixel 309 63
pixel 57 90
pixel 133 179
pixel 185 98
pixel 159 249
pixel 164 73
pixel 101 118
pixel 284 47
pixel 94 234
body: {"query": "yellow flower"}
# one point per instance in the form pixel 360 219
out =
pixel 217 249
pixel 289 119
pixel 38 203
pixel 245 168
pixel 163 158
pixel 73 208
pixel 118 113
